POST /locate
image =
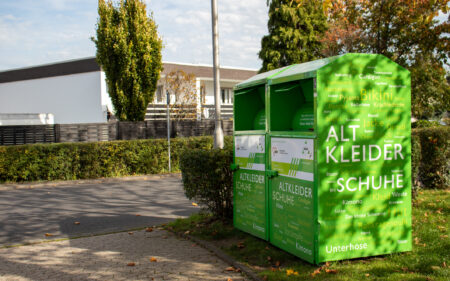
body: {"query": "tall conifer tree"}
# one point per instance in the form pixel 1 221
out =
pixel 295 30
pixel 129 52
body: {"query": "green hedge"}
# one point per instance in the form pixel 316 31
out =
pixel 431 157
pixel 207 179
pixel 69 161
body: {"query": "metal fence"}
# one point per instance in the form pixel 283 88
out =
pixel 91 132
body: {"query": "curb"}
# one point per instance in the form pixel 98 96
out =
pixel 226 258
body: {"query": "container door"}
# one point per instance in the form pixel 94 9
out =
pixel 291 211
pixel 250 204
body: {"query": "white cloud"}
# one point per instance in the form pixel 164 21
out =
pixel 37 32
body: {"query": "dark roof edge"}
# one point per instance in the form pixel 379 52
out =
pixel 90 64
pixel 50 70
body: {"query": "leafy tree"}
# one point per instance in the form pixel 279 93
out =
pixel 399 29
pixel 129 52
pixel 295 29
pixel 430 89
pixel 405 31
pixel 182 87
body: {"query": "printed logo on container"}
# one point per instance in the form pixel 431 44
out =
pixel 293 157
pixel 250 152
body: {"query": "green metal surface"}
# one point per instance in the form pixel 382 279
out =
pixel 337 178
pixel 260 79
pixel 364 165
pixel 249 185
pixel 247 104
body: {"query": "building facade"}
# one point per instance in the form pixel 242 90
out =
pixel 76 92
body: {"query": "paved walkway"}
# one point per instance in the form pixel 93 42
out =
pixel 28 211
pixel 106 257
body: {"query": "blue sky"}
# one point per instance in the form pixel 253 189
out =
pixel 45 31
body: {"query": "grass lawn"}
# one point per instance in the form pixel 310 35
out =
pixel 429 259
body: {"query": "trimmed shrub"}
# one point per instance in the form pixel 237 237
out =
pixel 425 124
pixel 434 168
pixel 208 179
pixel 416 157
pixel 69 161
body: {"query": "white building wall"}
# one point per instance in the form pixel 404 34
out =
pixel 76 98
pixel 209 88
pixel 106 100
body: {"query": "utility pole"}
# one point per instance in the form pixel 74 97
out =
pixel 218 133
pixel 168 127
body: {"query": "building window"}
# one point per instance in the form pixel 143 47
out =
pixel 159 94
pixel 227 95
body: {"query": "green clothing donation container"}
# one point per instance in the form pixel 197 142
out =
pixel 322 157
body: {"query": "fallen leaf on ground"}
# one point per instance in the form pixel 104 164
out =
pixel 331 271
pixel 76 223
pixel 434 267
pixel 48 234
pixel 229 268
pixel 194 204
pixel 131 264
pixel 317 271
pixel 367 274
pixel 153 259
pixel 291 272
pixel 131 233
pixel 149 229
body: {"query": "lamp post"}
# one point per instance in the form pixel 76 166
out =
pixel 168 126
pixel 218 133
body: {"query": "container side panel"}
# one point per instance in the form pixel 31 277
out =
pixel 364 157
pixel 291 196
pixel 249 185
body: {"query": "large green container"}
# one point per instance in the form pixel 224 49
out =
pixel 329 175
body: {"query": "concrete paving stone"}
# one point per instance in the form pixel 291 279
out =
pixel 106 257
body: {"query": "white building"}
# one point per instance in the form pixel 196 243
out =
pixel 75 91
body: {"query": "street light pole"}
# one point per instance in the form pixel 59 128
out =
pixel 218 133
pixel 168 128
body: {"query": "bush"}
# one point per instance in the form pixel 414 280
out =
pixel 425 124
pixel 416 158
pixel 207 179
pixel 434 156
pixel 69 161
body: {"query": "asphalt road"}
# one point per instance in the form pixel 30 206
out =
pixel 28 212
